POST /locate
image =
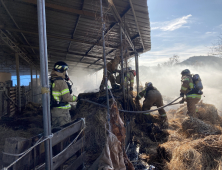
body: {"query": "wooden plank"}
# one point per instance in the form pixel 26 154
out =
pixel 61 158
pixel 16 146
pixel 79 161
pixel 66 132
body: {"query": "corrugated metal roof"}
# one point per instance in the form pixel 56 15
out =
pixel 84 49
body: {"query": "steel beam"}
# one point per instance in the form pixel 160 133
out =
pixel 137 71
pixel 106 57
pixel 32 88
pixel 18 82
pixel 105 68
pixel 62 8
pixel 106 32
pixel 62 52
pixel 122 73
pixel 138 28
pixel 76 25
pixel 45 82
pixel 36 84
pixel 119 20
pixel 3 4
pixel 52 36
pixel 15 48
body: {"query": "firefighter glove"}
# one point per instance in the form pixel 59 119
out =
pixel 182 101
pixel 181 94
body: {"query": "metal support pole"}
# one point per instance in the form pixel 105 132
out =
pixel 137 71
pixel 31 84
pixel 44 81
pixel 122 73
pixel 105 68
pixel 36 87
pixel 18 81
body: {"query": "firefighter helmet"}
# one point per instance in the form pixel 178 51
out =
pixel 148 84
pixel 185 72
pixel 60 66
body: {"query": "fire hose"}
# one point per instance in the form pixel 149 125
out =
pixel 127 111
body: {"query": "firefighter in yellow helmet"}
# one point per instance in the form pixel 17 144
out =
pixel 152 98
pixel 187 88
pixel 60 95
pixel 111 69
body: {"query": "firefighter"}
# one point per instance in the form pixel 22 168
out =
pixel 60 95
pixel 111 69
pixel 128 79
pixel 152 98
pixel 187 88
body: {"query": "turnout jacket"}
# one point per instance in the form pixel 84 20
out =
pixel 187 86
pixel 112 65
pixel 60 90
pixel 129 79
pixel 145 92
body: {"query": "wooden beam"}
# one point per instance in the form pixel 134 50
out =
pixel 66 132
pixel 61 158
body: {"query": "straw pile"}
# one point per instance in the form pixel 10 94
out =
pixel 196 126
pixel 95 133
pixel 96 119
pixel 193 144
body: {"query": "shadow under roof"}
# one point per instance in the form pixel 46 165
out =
pixel 74 30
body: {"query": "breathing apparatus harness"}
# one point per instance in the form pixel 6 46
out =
pixel 197 85
pixel 53 102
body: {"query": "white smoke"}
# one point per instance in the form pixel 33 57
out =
pixel 168 81
pixel 85 81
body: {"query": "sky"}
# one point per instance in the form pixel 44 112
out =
pixel 182 27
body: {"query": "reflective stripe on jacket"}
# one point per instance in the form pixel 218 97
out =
pixel 60 91
pixel 187 86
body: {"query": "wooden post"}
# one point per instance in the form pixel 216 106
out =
pixel 18 83
pixel 16 145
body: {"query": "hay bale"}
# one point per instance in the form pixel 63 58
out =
pixel 196 126
pixel 95 133
pixel 181 112
pixel 208 113
pixel 166 149
pixel 175 135
pixel 211 150
pixel 174 124
pixel 185 157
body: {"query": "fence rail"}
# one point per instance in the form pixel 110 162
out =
pixel 67 143
pixel 9 98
